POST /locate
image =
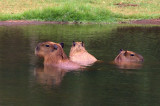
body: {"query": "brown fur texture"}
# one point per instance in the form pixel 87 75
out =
pixel 54 55
pixel 79 54
pixel 128 60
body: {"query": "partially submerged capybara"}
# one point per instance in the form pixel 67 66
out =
pixel 128 60
pixel 79 54
pixel 54 55
pixel 128 56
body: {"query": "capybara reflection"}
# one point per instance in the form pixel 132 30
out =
pixel 49 75
pixel 54 55
pixel 79 54
pixel 128 60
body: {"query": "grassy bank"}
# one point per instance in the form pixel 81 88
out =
pixel 79 10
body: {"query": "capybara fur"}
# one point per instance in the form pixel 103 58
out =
pixel 128 56
pixel 79 54
pixel 128 60
pixel 54 55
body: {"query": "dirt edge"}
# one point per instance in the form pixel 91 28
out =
pixel 26 22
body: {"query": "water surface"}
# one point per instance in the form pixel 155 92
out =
pixel 23 80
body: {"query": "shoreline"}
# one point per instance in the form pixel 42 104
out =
pixel 30 22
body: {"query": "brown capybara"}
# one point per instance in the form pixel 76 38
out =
pixel 128 60
pixel 54 55
pixel 79 54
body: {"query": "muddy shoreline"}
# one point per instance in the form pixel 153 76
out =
pixel 27 22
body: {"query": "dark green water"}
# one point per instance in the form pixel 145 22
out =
pixel 102 84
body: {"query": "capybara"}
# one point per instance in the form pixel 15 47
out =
pixel 54 55
pixel 128 60
pixel 79 54
pixel 128 56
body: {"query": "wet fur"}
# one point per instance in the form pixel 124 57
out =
pixel 54 55
pixel 125 56
pixel 79 54
pixel 128 60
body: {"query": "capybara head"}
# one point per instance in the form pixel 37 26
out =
pixel 50 49
pixel 128 56
pixel 77 46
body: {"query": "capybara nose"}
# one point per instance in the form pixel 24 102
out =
pixel 141 58
pixel 37 48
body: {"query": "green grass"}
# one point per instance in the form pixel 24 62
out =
pixel 78 10
pixel 69 12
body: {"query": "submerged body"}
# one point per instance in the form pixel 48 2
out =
pixel 54 55
pixel 128 60
pixel 79 54
pixel 50 75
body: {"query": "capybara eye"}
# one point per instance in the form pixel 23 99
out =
pixel 131 54
pixel 47 45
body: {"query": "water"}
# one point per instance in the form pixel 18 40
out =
pixel 23 81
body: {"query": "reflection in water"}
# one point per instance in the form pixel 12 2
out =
pixel 129 65
pixel 49 75
pixel 112 86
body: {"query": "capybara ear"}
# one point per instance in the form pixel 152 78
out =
pixel 82 43
pixel 62 44
pixel 55 46
pixel 74 44
pixel 121 50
